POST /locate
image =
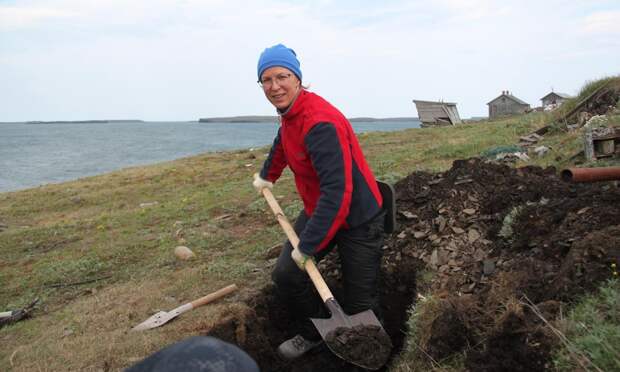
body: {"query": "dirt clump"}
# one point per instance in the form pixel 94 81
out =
pixel 367 346
pixel 508 251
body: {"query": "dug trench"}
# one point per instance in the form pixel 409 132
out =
pixel 509 250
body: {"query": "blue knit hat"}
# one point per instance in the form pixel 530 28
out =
pixel 279 55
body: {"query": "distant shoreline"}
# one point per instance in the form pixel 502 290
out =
pixel 73 121
pixel 226 119
pixel 271 119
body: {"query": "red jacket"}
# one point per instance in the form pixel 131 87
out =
pixel 332 177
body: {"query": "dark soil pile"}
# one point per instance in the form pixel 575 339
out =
pixel 507 248
pixel 366 346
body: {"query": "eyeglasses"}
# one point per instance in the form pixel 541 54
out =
pixel 268 82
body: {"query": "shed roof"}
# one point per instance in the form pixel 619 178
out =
pixel 561 95
pixel 509 96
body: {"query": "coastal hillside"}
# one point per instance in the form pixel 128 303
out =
pixel 497 263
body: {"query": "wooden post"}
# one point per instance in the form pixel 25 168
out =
pixel 588 146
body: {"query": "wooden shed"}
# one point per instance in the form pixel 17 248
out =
pixel 553 100
pixel 433 114
pixel 507 104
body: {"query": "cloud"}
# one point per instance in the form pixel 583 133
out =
pixel 12 18
pixel 603 22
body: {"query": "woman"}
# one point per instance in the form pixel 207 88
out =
pixel 342 202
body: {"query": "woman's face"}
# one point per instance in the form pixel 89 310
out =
pixel 280 86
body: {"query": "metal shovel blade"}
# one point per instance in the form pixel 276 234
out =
pixel 156 320
pixel 339 319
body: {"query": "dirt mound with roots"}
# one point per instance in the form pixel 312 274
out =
pixel 509 250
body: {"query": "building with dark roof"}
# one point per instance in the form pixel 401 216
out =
pixel 507 104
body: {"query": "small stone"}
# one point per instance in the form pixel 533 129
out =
pixel 473 235
pixel 488 267
pixel 402 235
pixel 419 234
pixel 149 204
pixel 479 255
pixel 441 221
pixel 434 260
pixel 408 215
pixel 183 253
pixel 583 210
pixel 457 230
pixel 67 332
pixel 469 211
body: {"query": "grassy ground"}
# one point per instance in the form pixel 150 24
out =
pixel 98 251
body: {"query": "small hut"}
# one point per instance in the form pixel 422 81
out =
pixel 433 114
pixel 553 100
pixel 507 104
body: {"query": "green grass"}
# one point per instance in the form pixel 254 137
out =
pixel 593 330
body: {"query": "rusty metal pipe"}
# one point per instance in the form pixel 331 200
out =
pixel 591 174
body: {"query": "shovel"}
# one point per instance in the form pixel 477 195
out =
pixel 163 317
pixel 338 317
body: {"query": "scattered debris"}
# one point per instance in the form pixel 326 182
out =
pixel 529 140
pixel 148 204
pixel 541 151
pixel 73 284
pixel 14 316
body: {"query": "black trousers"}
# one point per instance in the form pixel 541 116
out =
pixel 360 254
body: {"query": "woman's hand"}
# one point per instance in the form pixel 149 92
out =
pixel 300 259
pixel 259 184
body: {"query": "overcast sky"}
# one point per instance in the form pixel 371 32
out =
pixel 182 60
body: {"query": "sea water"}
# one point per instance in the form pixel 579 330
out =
pixel 37 154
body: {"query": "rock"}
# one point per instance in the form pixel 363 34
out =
pixel 76 199
pixel 441 222
pixel 419 234
pixel 479 254
pixel 541 150
pixel 457 230
pixel 183 253
pixel 488 267
pixel 434 260
pixel 402 235
pixel 408 215
pixel 473 235
pixel 469 211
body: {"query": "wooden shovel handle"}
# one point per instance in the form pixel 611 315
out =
pixel 311 268
pixel 214 296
